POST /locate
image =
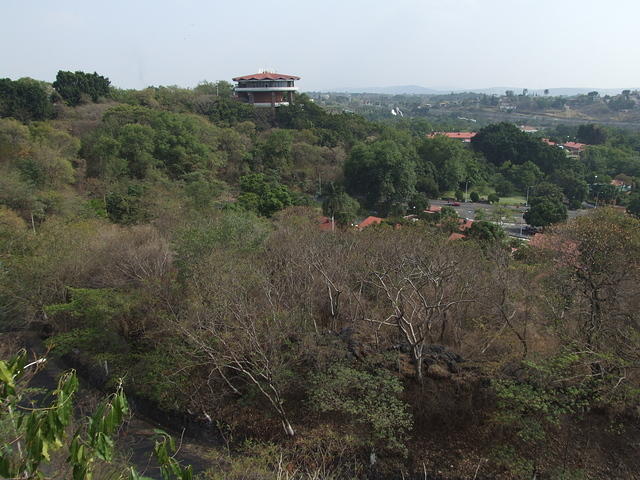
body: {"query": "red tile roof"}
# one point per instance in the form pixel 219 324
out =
pixel 267 76
pixel 456 236
pixel 465 224
pixel 455 135
pixel 548 142
pixel 574 146
pixel 326 224
pixel 370 221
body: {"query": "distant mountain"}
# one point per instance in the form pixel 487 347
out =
pixel 563 91
pixel 395 90
pixel 418 90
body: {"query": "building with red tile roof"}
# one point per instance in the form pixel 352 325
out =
pixel 574 147
pixel 456 236
pixel 326 225
pixel 465 224
pixel 464 137
pixel 433 209
pixel 369 221
pixel 266 76
pixel 266 89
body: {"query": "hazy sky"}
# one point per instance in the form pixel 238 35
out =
pixel 330 43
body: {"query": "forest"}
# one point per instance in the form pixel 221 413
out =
pixel 167 241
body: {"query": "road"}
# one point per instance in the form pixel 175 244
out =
pixel 511 216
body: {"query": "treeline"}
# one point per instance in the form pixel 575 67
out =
pixel 173 235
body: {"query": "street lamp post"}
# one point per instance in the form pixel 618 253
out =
pixel 526 203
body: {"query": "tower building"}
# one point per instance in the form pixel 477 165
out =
pixel 266 89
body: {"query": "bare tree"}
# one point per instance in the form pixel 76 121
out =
pixel 426 285
pixel 236 321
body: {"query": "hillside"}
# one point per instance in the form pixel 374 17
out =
pixel 559 106
pixel 176 239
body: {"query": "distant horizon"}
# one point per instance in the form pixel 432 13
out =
pixel 447 90
pixel 435 90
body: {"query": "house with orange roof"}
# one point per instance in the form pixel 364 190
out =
pixel 464 137
pixel 367 222
pixel 433 209
pixel 621 185
pixel 574 147
pixel 465 224
pixel 326 224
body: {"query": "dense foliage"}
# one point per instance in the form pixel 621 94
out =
pixel 172 237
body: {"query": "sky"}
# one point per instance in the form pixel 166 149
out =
pixel 331 44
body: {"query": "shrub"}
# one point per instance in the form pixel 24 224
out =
pixel 368 400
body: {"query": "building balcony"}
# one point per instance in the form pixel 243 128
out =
pixel 268 104
pixel 266 89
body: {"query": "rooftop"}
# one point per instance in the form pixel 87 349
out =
pixel 266 76
pixel 456 135
pixel 575 145
pixel 369 221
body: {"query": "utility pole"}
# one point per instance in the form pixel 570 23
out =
pixel 466 190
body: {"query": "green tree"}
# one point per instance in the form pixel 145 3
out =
pixel 275 152
pixel 371 402
pixel 24 99
pixel 452 161
pixel 418 203
pixel 73 86
pixel 592 134
pixel 263 195
pixel 606 160
pixel 380 174
pixel 634 205
pixel 340 206
pixel 124 204
pixel 475 197
pixel 132 140
pixel 485 231
pixel 136 146
pixel 573 187
pixel 34 434
pixel 503 187
pixel 504 142
pixel 544 211
pixel 493 198
pixel 525 175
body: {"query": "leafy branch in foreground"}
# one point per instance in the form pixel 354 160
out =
pixel 29 436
